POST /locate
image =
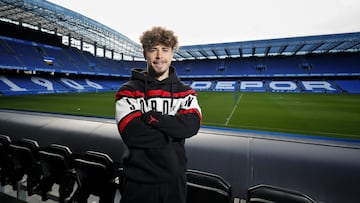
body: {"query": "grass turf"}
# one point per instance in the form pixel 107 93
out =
pixel 332 115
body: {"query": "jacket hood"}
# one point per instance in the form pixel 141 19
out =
pixel 141 74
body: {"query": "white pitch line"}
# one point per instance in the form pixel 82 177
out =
pixel 233 110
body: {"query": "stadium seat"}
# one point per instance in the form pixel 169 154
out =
pixel 23 154
pixel 207 187
pixel 266 193
pixel 4 159
pixel 96 176
pixel 55 165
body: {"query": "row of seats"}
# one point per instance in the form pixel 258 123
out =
pixel 93 173
pixel 80 175
pixel 29 55
pixel 25 84
pixel 24 161
pixel 272 66
pixel 211 188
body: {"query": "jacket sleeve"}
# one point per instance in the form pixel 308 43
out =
pixel 134 132
pixel 184 124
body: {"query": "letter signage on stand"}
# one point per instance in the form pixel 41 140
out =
pixel 283 86
pixel 225 86
pixel 201 85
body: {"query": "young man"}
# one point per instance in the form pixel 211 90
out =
pixel 155 113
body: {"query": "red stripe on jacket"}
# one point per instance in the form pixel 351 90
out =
pixel 153 93
pixel 186 111
pixel 128 119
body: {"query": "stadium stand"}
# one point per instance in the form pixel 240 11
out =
pixel 339 69
pixel 350 86
pixel 273 74
pixel 35 62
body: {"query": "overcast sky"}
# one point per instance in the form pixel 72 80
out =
pixel 211 21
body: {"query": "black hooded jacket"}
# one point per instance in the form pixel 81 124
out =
pixel 154 118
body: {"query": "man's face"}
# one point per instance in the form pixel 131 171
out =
pixel 159 60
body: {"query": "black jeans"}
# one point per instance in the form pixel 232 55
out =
pixel 169 192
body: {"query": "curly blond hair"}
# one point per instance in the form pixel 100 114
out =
pixel 158 35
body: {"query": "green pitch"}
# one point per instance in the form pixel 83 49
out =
pixel 333 115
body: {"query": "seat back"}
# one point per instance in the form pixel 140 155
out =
pixel 91 174
pixel 55 160
pixel 22 158
pixel 99 157
pixel 5 140
pixel 55 163
pixel 60 149
pixel 4 159
pixel 30 144
pixel 207 187
pixel 23 155
pixel 4 143
pixel 96 175
pixel 267 193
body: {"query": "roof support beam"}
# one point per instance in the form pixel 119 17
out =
pixel 203 54
pixel 298 48
pixel 267 50
pixel 192 55
pixel 354 45
pixel 178 53
pixel 333 47
pixel 282 49
pixel 315 47
pixel 228 53
pixel 214 52
pixel 240 52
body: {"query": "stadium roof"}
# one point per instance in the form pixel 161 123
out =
pixel 53 18
pixel 64 22
pixel 283 46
